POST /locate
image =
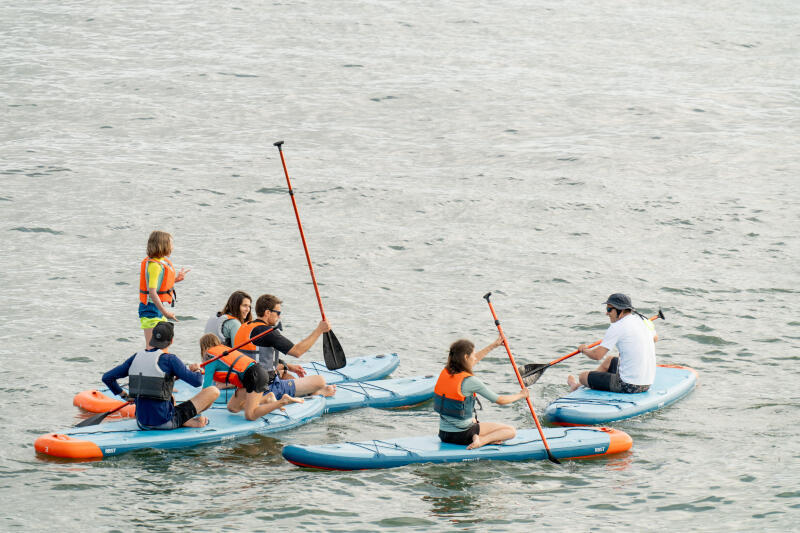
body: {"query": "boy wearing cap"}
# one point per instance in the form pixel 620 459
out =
pixel 634 336
pixel 151 374
pixel 233 368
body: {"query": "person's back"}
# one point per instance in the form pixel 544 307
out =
pixel 637 352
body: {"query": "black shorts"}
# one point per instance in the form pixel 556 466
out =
pixel 610 381
pixel 183 412
pixel 463 438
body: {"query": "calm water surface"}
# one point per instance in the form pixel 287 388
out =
pixel 552 152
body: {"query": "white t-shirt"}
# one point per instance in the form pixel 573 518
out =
pixel 633 337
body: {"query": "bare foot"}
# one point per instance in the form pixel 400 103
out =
pixel 572 382
pixel 196 422
pixel 329 390
pixel 476 443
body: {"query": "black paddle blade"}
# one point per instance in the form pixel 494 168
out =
pixel 552 457
pixel 531 373
pixel 93 420
pixel 332 351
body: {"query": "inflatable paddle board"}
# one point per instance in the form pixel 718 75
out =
pixel 586 406
pixel 357 369
pixel 565 443
pixel 114 438
pixel 383 393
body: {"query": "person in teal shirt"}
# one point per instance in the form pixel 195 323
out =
pixel 455 396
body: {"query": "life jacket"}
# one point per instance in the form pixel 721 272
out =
pixel 146 379
pixel 237 363
pixel 243 335
pixel 448 399
pixel 166 288
pixel 214 325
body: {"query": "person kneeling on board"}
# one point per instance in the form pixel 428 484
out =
pixel 267 349
pixel 151 374
pixel 455 395
pixel 634 370
pixel 242 372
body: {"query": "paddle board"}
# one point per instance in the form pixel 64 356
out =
pixel 565 443
pixel 357 369
pixel 586 406
pixel 114 438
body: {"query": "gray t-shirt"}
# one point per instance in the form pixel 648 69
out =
pixel 468 386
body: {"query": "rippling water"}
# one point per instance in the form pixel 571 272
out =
pixel 553 152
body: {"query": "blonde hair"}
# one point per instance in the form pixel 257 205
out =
pixel 208 341
pixel 159 244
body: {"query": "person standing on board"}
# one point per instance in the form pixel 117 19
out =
pixel 455 395
pixel 242 372
pixel 268 348
pixel 224 324
pixel 151 375
pixel 634 336
pixel 157 279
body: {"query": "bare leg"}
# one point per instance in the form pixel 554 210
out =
pixel 491 433
pixel 572 382
pixel 313 385
pixel 148 334
pixel 204 399
pixel 583 377
pixel 258 404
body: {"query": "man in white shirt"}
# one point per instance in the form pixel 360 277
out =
pixel 634 336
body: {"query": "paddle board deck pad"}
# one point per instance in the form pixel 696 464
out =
pixel 565 443
pixel 357 369
pixel 114 438
pixel 383 393
pixel 586 406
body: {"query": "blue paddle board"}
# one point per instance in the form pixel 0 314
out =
pixel 586 406
pixel 565 443
pixel 384 393
pixel 357 369
pixel 113 438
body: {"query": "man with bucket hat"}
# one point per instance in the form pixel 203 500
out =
pixel 151 374
pixel 634 336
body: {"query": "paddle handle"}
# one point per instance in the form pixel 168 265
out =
pixel 279 144
pixel 226 352
pixel 519 378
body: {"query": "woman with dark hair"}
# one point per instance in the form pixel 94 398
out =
pixel 455 395
pixel 226 323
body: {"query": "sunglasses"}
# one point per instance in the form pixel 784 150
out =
pixel 609 309
pixel 276 312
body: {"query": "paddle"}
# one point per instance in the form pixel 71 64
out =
pixel 96 419
pixel 532 372
pixel 519 378
pixel 331 349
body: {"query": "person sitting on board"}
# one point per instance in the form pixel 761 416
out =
pixel 151 373
pixel 267 349
pixel 248 377
pixel 634 370
pixel 224 324
pixel 157 279
pixel 455 395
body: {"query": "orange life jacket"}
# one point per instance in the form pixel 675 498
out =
pixel 166 290
pixel 237 363
pixel 243 335
pixel 448 399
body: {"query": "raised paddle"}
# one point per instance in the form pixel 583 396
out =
pixel 519 378
pixel 532 372
pixel 331 349
pixel 96 419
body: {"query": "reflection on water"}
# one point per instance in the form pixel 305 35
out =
pixel 452 490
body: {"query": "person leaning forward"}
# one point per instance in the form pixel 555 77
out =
pixel 267 349
pixel 634 370
pixel 152 373
pixel 249 378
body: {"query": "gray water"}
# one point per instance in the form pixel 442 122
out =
pixel 552 152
